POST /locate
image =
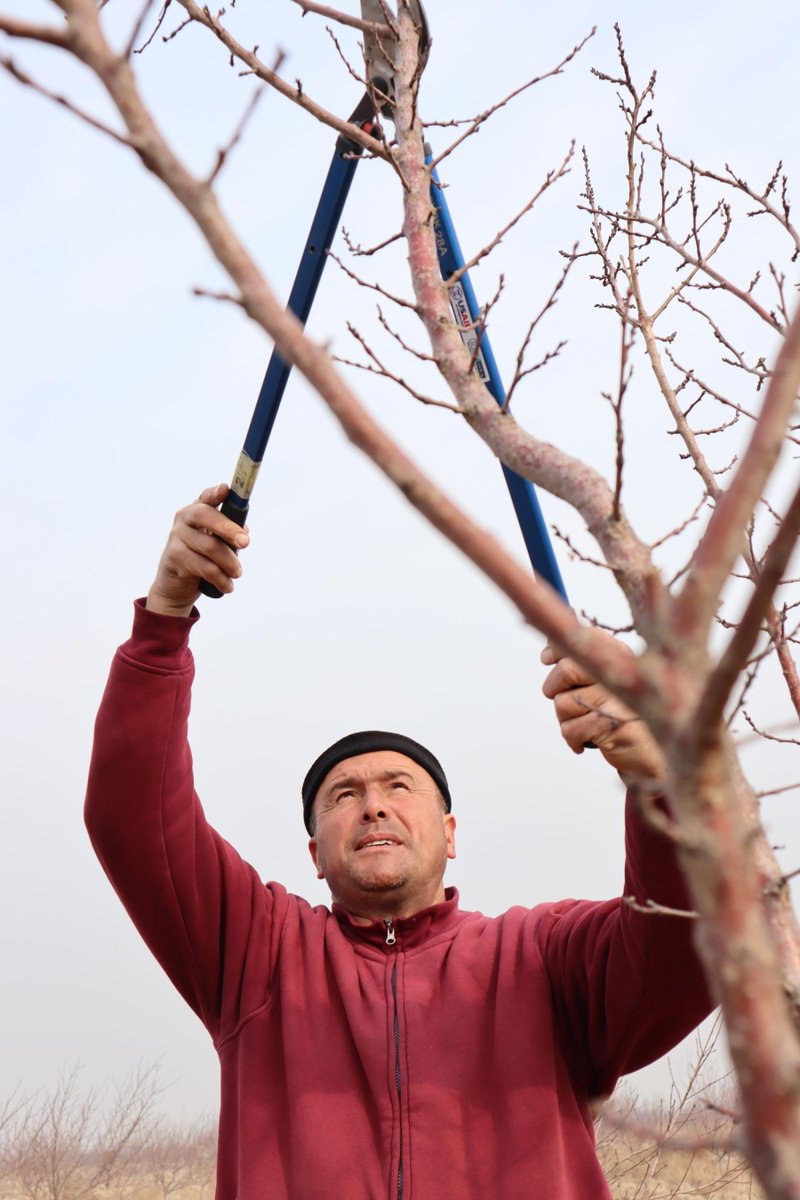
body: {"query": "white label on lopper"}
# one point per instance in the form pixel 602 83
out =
pixel 467 329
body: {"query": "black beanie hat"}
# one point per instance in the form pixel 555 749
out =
pixel 366 742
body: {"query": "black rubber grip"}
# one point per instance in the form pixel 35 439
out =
pixel 237 514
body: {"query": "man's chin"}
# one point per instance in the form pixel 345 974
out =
pixel 381 883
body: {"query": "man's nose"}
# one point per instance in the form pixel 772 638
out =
pixel 373 806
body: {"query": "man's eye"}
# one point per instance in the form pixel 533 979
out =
pixel 398 783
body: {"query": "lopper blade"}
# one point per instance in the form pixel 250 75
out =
pixel 380 51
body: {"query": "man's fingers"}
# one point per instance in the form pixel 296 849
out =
pixel 577 701
pixel 204 515
pixel 200 566
pixel 566 674
pixel 213 495
pixel 205 546
pixel 598 727
pixel 584 715
pixel 588 714
pixel 202 545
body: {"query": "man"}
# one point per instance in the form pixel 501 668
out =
pixel 394 1046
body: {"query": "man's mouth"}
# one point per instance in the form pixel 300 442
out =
pixel 375 843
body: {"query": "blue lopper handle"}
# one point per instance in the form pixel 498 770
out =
pixel 467 314
pixel 312 264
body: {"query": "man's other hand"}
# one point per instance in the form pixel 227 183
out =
pixel 588 713
pixel 199 547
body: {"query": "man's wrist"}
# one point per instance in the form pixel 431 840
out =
pixel 156 603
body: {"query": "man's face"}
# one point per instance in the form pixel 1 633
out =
pixel 381 835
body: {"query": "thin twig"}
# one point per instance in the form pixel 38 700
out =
pixel 360 252
pixel 21 77
pixel 140 20
pixel 250 59
pixel 521 371
pixel 379 369
pixel 650 908
pixel 225 152
pixel 374 287
pixel 778 791
pixel 156 27
pixel 551 178
pixel 679 529
pixel 228 297
pixel 342 18
pixel 420 355
pixel 475 123
pixel 771 737
pixel 723 676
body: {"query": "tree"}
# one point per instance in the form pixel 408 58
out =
pixel 179 1159
pixel 684 1145
pixel 683 683
pixel 69 1143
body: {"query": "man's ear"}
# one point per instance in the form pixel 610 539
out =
pixel 312 849
pixel 450 833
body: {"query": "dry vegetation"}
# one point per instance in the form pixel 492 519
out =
pixel 180 1163
pixel 684 1148
pixel 74 1143
pixel 687 1145
pixel 639 1170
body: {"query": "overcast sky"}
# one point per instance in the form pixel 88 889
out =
pixel 123 396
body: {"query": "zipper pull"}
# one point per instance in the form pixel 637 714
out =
pixel 391 936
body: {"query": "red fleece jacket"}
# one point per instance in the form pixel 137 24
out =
pixel 456 1063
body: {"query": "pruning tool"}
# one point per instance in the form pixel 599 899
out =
pixel 380 52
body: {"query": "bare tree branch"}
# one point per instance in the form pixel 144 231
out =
pixel 342 18
pixel 475 123
pixel 22 77
pixel 375 287
pixel 552 177
pixel 650 908
pixel 225 152
pixel 296 95
pixel 47 34
pixel 722 541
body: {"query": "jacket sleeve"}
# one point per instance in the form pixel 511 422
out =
pixel 627 986
pixel 196 903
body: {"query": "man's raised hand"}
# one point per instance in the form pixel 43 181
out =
pixel 588 713
pixel 198 547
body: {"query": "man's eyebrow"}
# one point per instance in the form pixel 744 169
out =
pixel 343 781
pixel 358 780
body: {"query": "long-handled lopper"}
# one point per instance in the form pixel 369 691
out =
pixel 466 312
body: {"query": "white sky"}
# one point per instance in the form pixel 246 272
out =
pixel 123 396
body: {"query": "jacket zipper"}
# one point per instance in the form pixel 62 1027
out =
pixel 391 940
pixel 398 1080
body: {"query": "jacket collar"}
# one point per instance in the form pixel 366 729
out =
pixel 407 931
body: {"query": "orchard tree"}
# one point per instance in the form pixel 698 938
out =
pixel 179 1160
pixel 72 1143
pixel 664 269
